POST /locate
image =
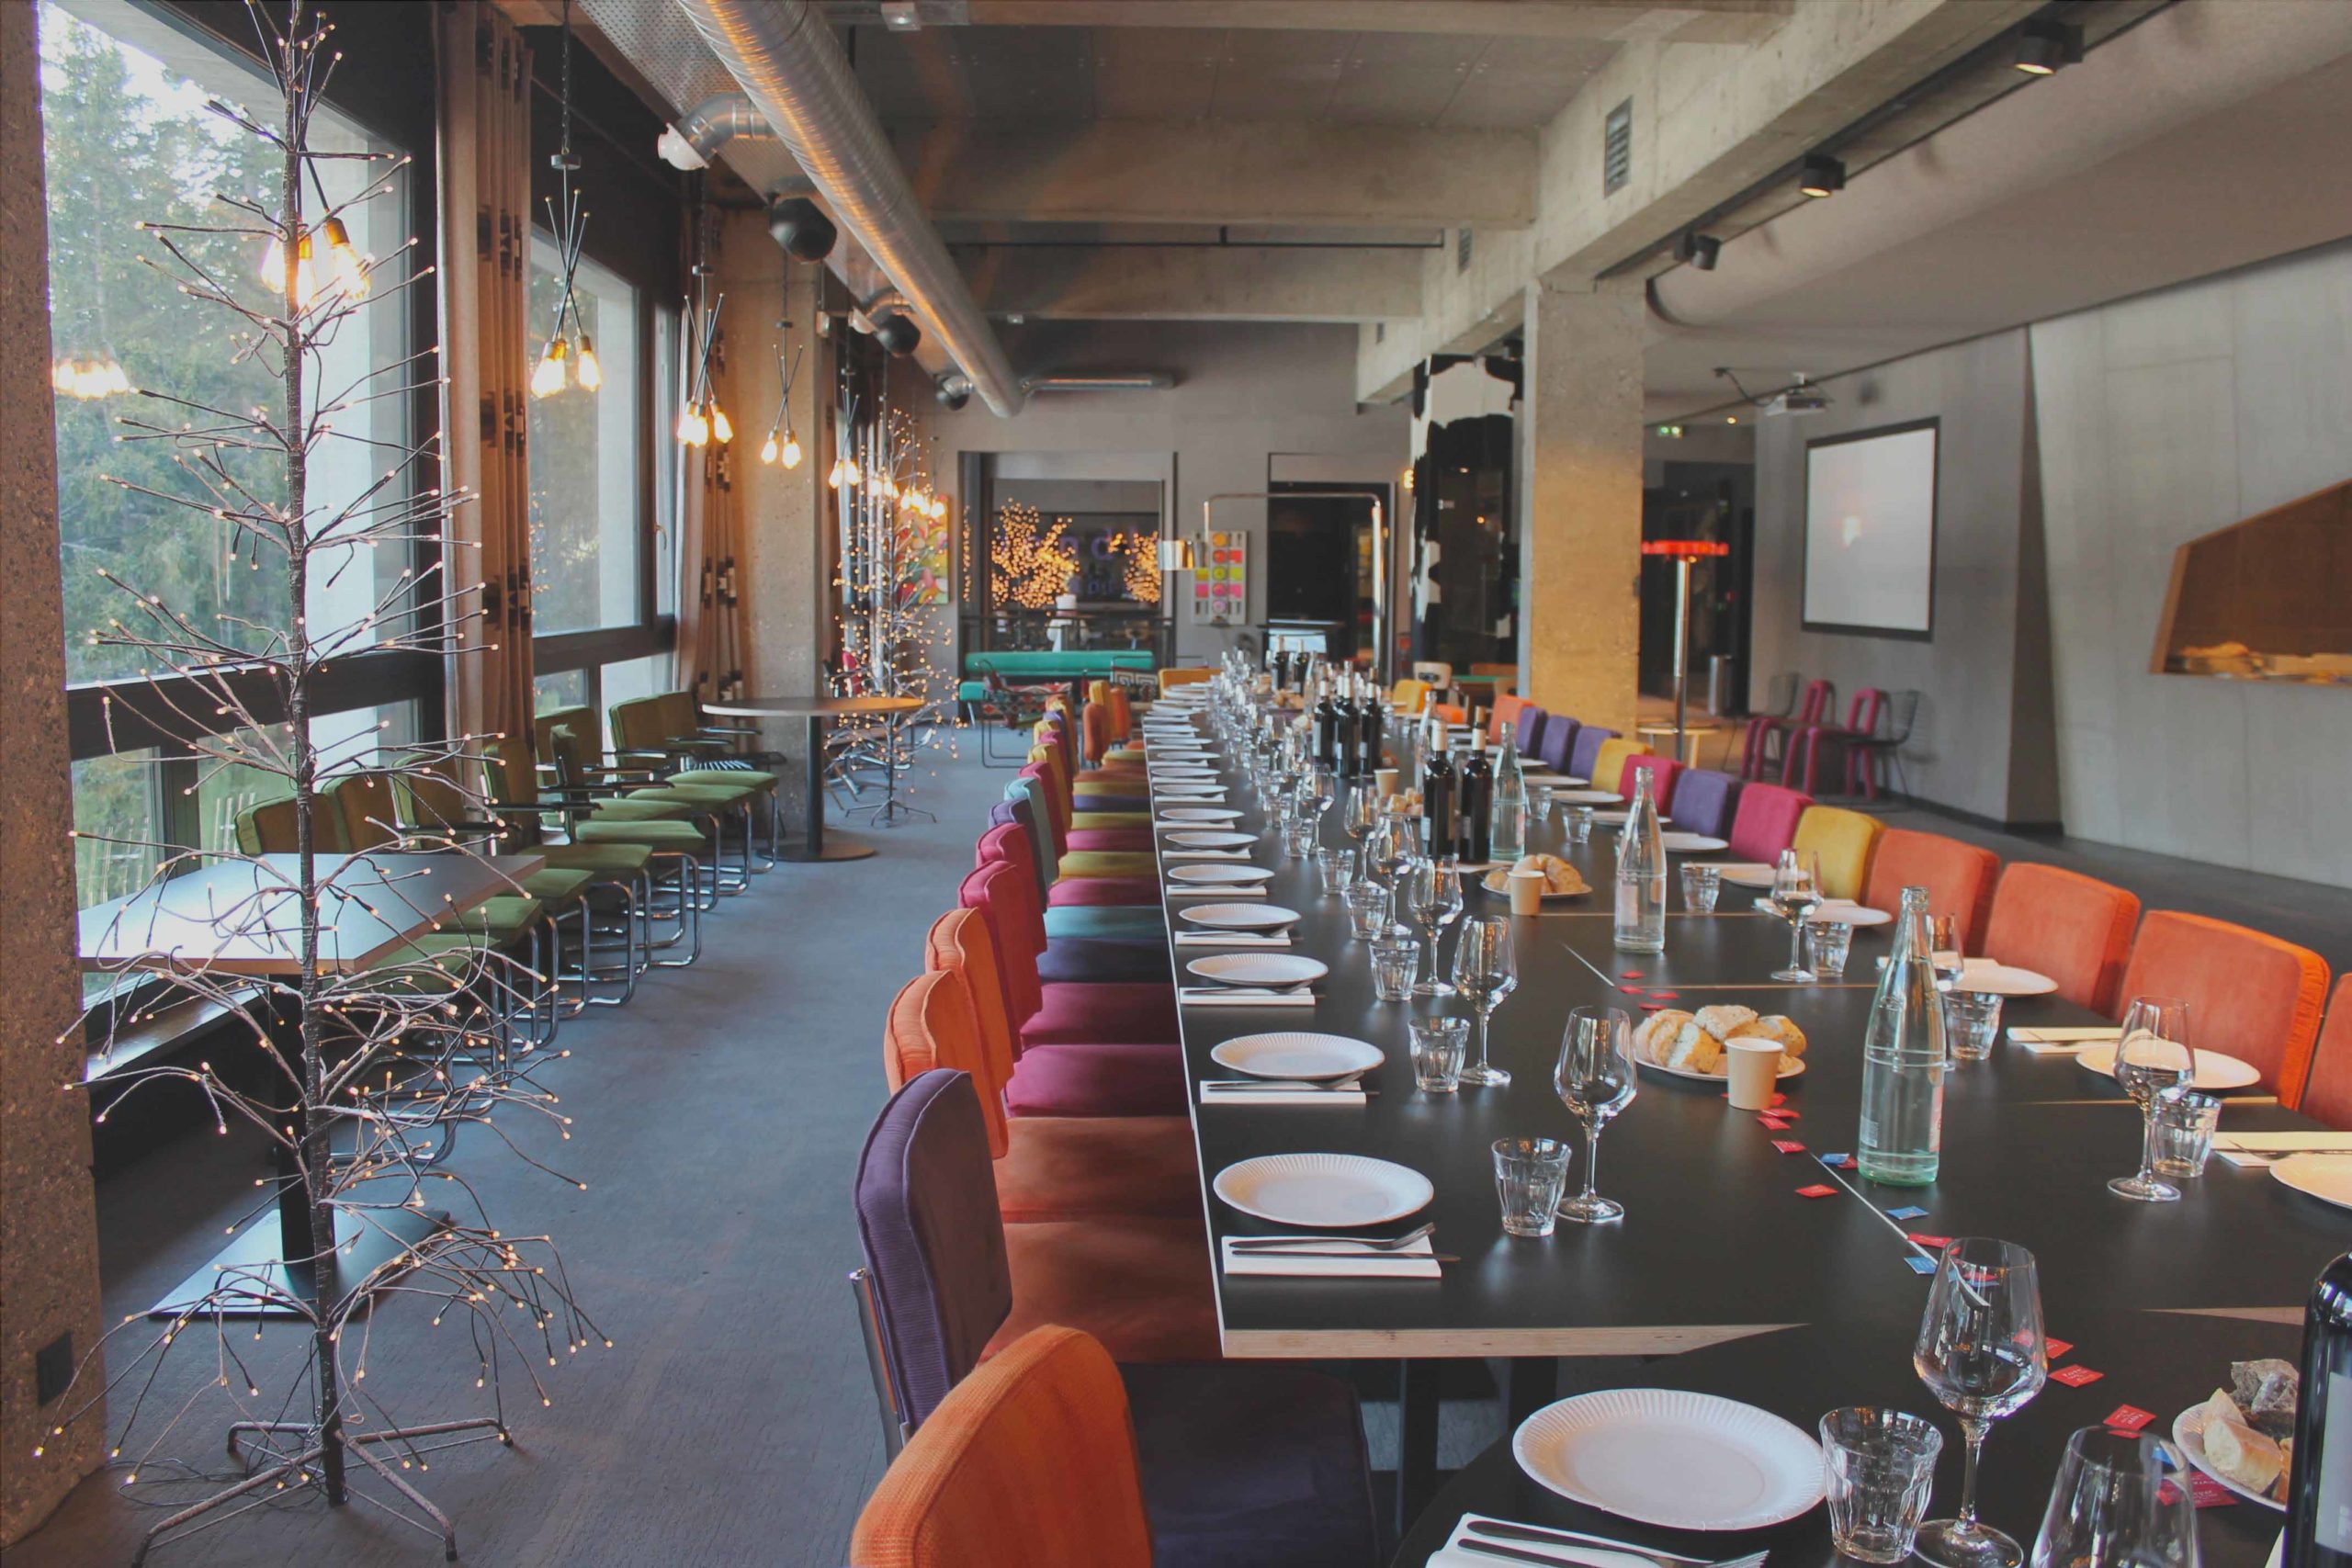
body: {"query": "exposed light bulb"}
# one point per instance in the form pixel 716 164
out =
pixel 850 475
pixel 590 374
pixel 833 475
pixel 720 425
pixel 791 450
pixel 548 376
pixel 768 449
pixel 273 270
pixel 350 267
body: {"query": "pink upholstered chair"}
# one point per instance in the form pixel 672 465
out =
pixel 1802 767
pixel 1663 772
pixel 1768 733
pixel 1766 822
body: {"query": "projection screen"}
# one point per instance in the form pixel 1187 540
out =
pixel 1869 532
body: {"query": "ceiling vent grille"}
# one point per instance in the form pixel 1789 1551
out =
pixel 1617 149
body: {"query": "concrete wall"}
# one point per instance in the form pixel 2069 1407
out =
pixel 2163 418
pixel 1985 664
pixel 1244 391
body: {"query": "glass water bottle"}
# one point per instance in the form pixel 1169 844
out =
pixel 1640 874
pixel 1507 823
pixel 1901 1140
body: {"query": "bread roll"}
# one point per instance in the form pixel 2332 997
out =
pixel 2236 1451
pixel 1693 1050
pixel 1654 1033
pixel 1775 1027
pixel 1725 1020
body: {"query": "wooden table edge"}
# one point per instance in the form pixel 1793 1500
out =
pixel 1465 1343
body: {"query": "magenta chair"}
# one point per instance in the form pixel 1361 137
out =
pixel 1801 768
pixel 1768 736
pixel 1663 772
pixel 1046 1012
pixel 1766 822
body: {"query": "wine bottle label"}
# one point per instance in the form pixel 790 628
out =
pixel 2332 1518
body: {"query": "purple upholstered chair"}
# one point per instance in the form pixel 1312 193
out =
pixel 1560 736
pixel 1242 1464
pixel 1703 801
pixel 1531 730
pixel 1591 737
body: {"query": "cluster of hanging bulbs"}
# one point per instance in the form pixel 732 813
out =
pixel 699 424
pixel 347 272
pixel 560 364
pixel 787 452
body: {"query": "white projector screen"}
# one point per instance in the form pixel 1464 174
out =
pixel 1869 532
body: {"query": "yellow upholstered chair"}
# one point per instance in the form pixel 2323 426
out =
pixel 1409 696
pixel 1609 764
pixel 1844 841
pixel 1186 676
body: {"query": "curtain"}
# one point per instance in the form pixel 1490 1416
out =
pixel 709 657
pixel 485 239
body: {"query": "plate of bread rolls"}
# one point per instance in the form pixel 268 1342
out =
pixel 1691 1044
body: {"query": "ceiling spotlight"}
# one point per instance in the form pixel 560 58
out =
pixel 2046 48
pixel 897 333
pixel 1821 175
pixel 953 392
pixel 802 229
pixel 1699 249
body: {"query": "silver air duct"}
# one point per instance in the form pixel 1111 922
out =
pixel 1107 381
pixel 782 54
pixel 712 124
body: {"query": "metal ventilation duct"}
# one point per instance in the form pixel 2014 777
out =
pixel 1104 382
pixel 787 61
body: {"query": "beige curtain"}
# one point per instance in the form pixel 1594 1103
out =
pixel 711 527
pixel 485 158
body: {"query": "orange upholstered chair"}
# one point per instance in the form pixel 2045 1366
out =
pixel 1505 717
pixel 2249 994
pixel 1029 1463
pixel 1451 712
pixel 1959 878
pixel 1048 1168
pixel 2074 929
pixel 2327 1093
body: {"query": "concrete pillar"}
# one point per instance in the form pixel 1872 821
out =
pixel 1580 492
pixel 48 1242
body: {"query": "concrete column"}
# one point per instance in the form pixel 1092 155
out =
pixel 49 1243
pixel 1580 494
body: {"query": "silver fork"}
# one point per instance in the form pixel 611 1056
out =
pixel 1349 1085
pixel 1369 1243
pixel 1506 1531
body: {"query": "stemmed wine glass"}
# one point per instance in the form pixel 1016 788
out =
pixel 1981 1352
pixel 1431 889
pixel 1394 843
pixel 1796 893
pixel 1317 790
pixel 2152 1054
pixel 1359 816
pixel 2119 1502
pixel 1595 1079
pixel 1485 970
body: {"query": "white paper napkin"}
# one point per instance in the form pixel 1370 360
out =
pixel 1205 854
pixel 1214 890
pixel 1232 939
pixel 1242 997
pixel 1566 1551
pixel 1418 1261
pixel 2261 1150
pixel 2064 1041
pixel 1225 1094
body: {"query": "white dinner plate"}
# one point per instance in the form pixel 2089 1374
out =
pixel 1325 1190
pixel 2327 1178
pixel 1748 873
pixel 1665 1456
pixel 1182 770
pixel 1275 971
pixel 1240 917
pixel 1988 979
pixel 1610 819
pixel 1297 1055
pixel 2189 1437
pixel 1220 876
pixel 2214 1070
pixel 1791 1067
pixel 1200 814
pixel 1835 912
pixel 1498 882
pixel 1197 839
pixel 1586 797
pixel 1553 781
pixel 1680 843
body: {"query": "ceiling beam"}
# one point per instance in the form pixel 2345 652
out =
pixel 1229 283
pixel 1684 21
pixel 1219 172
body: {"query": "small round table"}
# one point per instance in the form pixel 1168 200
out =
pixel 1694 735
pixel 812 845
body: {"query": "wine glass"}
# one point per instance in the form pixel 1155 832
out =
pixel 1485 970
pixel 1317 789
pixel 1429 891
pixel 1595 1080
pixel 2119 1501
pixel 1359 816
pixel 1981 1352
pixel 1394 841
pixel 1796 893
pixel 2151 1054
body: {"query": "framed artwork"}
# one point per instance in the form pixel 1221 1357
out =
pixel 1221 581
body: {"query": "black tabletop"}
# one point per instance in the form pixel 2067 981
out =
pixel 2158 1363
pixel 1717 1242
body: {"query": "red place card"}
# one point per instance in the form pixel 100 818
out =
pixel 2053 1348
pixel 1932 1242
pixel 1667 995
pixel 1819 1189
pixel 2075 1377
pixel 2208 1493
pixel 1629 975
pixel 2127 1418
pixel 1788 1146
pixel 1779 1100
pixel 1653 1007
pixel 1633 990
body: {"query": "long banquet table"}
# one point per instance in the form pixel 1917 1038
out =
pixel 1716 1244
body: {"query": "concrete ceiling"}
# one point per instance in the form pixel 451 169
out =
pixel 2205 139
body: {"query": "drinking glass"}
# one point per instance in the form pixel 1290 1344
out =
pixel 1701 885
pixel 2152 1054
pixel 2122 1500
pixel 1299 839
pixel 1943 950
pixel 1580 825
pixel 1539 803
pixel 1530 1175
pixel 1981 1352
pixel 1394 843
pixel 1439 1046
pixel 1332 870
pixel 1971 1023
pixel 1430 894
pixel 1367 905
pixel 1485 970
pixel 1827 945
pixel 2186 1122
pixel 1317 789
pixel 1396 959
pixel 1359 816
pixel 1595 1080
pixel 1796 893
pixel 1878 1470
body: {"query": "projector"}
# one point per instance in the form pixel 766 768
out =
pixel 1799 400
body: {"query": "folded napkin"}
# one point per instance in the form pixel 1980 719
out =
pixel 2068 1041
pixel 1206 854
pixel 1214 890
pixel 1242 997
pixel 1418 1261
pixel 1233 939
pixel 1179 822
pixel 2260 1150
pixel 1452 1555
pixel 1213 1093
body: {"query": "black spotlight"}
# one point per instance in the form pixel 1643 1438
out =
pixel 953 395
pixel 1822 174
pixel 2045 49
pixel 802 229
pixel 897 333
pixel 1699 249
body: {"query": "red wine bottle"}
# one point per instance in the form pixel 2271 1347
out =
pixel 2319 1479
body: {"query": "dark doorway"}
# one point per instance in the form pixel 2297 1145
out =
pixel 1700 501
pixel 1318 564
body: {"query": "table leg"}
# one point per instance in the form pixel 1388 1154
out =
pixel 1417 1419
pixel 813 845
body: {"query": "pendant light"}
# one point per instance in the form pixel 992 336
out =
pixel 564 361
pixel 786 450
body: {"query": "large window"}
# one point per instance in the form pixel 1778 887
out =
pixel 588 541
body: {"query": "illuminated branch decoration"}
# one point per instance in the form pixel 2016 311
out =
pixel 1029 559
pixel 1139 570
pixel 360 1071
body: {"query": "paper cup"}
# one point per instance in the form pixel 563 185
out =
pixel 1752 1066
pixel 1526 891
pixel 1383 781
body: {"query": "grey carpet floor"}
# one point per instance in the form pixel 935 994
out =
pixel 717 1119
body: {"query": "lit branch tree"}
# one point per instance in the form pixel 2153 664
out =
pixel 1031 560
pixel 371 1063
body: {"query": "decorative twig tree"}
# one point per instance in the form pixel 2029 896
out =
pixel 370 1053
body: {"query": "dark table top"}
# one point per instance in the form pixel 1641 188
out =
pixel 810 706
pixel 1717 1243
pixel 2159 1362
